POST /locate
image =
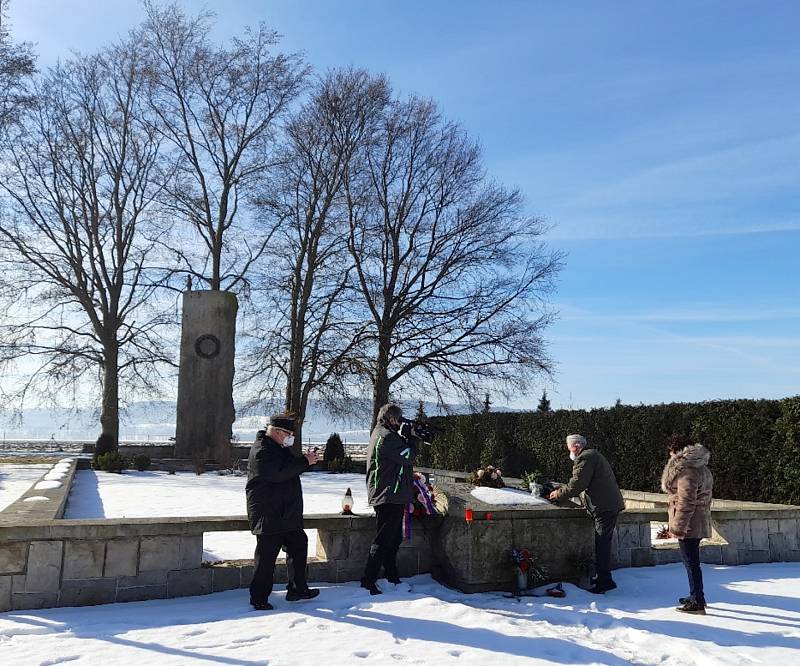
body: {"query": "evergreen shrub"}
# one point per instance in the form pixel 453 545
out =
pixel 754 444
pixel 113 461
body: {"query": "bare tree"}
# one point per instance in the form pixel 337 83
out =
pixel 16 66
pixel 218 107
pixel 312 337
pixel 450 269
pixel 80 175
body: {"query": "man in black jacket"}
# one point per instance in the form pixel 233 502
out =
pixel 275 511
pixel 390 483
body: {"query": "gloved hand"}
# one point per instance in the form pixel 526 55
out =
pixel 406 430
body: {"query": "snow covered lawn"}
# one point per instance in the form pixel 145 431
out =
pixel 159 494
pixel 16 479
pixel 754 618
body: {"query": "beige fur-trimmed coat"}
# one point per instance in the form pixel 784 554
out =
pixel 689 484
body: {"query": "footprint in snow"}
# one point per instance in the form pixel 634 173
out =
pixel 294 623
pixel 455 653
pixel 361 654
pixel 60 660
pixel 197 632
pixel 245 641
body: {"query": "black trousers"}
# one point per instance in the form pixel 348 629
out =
pixel 388 537
pixel 604 524
pixel 267 548
pixel 690 554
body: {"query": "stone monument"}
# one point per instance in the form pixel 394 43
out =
pixel 205 411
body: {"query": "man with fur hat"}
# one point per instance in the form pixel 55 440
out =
pixel 275 511
pixel 592 475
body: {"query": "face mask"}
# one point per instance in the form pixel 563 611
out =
pixel 289 441
pixel 572 456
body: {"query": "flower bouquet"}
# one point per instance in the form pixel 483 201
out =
pixel 489 476
pixel 424 503
pixel 528 572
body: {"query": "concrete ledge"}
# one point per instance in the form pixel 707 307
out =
pixel 112 528
pixel 20 511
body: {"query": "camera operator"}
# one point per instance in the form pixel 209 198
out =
pixel 275 511
pixel 390 478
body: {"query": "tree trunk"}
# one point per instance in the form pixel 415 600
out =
pixel 109 416
pixel 296 405
pixel 216 264
pixel 380 389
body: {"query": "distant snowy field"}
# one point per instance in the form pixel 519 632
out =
pixel 754 618
pixel 158 494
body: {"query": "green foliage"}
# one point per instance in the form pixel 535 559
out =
pixel 544 403
pixel 113 461
pixel 141 462
pixel 783 454
pixel 754 444
pixel 528 478
pixel 334 448
pixel 342 465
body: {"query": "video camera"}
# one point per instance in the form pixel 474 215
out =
pixel 424 431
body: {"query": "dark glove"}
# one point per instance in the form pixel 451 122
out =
pixel 406 430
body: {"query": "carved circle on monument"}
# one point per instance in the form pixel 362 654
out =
pixel 207 346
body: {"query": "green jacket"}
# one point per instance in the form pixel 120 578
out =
pixel 390 467
pixel 592 475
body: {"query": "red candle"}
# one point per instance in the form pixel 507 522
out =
pixel 468 514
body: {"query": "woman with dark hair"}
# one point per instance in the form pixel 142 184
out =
pixel 688 482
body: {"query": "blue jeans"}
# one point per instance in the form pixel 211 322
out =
pixel 690 554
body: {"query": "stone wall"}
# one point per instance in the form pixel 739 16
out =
pixel 45 564
pixel 742 533
pixel 84 562
pixel 475 556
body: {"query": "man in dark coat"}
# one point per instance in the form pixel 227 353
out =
pixel 592 475
pixel 275 511
pixel 390 482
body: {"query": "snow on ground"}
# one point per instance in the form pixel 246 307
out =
pixel 159 494
pixel 506 496
pixel 16 479
pixel 754 618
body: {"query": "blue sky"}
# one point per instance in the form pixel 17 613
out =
pixel 660 139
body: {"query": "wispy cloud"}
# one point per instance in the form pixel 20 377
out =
pixel 748 168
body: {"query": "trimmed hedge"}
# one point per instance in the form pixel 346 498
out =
pixel 754 444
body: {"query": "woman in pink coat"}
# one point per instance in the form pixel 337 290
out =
pixel 688 482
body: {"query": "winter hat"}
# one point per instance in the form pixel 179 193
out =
pixel 283 421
